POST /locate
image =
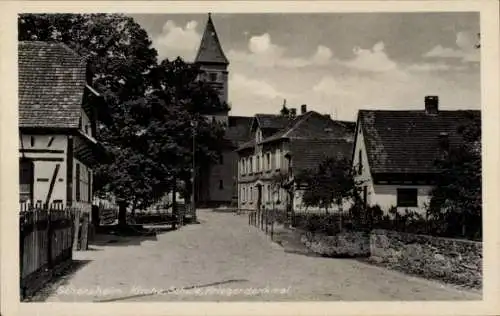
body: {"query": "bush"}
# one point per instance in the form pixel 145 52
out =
pixel 415 223
pixel 328 224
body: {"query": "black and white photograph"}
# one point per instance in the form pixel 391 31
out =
pixel 249 157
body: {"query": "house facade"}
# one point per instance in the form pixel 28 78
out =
pixel 217 185
pixel 281 147
pixel 57 126
pixel 395 153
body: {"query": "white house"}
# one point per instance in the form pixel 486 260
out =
pixel 284 147
pixel 57 126
pixel 395 153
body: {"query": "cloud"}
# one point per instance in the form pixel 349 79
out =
pixel 239 82
pixel 322 56
pixel 466 49
pixel 262 52
pixel 329 86
pixel 174 41
pixel 424 67
pixel 374 59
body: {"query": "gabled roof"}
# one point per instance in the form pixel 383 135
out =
pixel 271 121
pixel 409 141
pixel 313 125
pixel 309 153
pixel 52 81
pixel 210 50
pixel 308 126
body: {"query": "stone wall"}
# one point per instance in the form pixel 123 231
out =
pixel 451 260
pixel 344 244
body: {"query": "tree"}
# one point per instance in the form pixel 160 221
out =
pixel 150 105
pixel 456 200
pixel 332 182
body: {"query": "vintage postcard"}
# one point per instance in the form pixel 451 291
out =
pixel 250 157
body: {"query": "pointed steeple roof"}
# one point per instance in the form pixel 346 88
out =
pixel 210 50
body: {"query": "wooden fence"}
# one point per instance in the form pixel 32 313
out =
pixel 46 239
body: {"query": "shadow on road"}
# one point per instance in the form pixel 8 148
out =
pixel 115 235
pixel 60 279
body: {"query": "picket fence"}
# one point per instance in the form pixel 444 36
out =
pixel 46 243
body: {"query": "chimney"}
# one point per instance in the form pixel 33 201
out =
pixel 431 105
pixel 293 112
pixel 303 109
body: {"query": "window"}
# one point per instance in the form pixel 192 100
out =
pixel 251 194
pixel 407 197
pixel 268 161
pixel 278 159
pixel 77 182
pixel 365 196
pixel 32 141
pixel 258 136
pixel 269 191
pixel 213 76
pixel 221 185
pixel 221 159
pixel 258 163
pixel 25 180
pixel 360 162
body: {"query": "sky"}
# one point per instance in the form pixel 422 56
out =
pixel 336 63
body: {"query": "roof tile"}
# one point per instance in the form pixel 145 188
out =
pixel 408 141
pixel 210 50
pixel 52 81
pixel 307 154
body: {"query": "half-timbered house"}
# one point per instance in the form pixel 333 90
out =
pixel 57 126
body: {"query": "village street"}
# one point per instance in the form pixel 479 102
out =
pixel 224 254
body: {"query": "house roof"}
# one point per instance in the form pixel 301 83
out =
pixel 238 129
pixel 271 121
pixel 313 125
pixel 52 81
pixel 210 50
pixel 408 141
pixel 308 126
pixel 309 153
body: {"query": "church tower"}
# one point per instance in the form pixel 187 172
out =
pixel 214 63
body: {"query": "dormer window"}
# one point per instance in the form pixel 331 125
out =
pixel 258 136
pixel 213 76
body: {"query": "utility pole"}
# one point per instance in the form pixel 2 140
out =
pixel 193 172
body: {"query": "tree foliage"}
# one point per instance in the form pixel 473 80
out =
pixel 332 182
pixel 456 200
pixel 153 108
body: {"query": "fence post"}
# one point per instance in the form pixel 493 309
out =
pixel 21 253
pixel 84 234
pixel 76 232
pixel 49 238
